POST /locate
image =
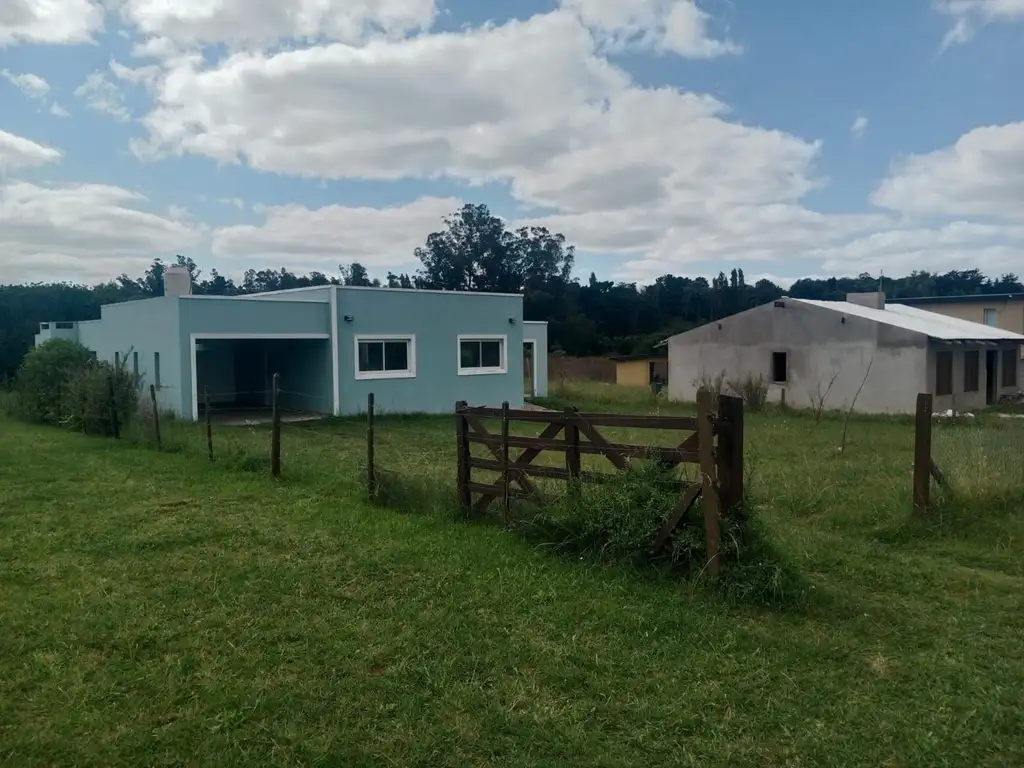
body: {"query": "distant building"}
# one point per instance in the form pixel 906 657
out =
pixel 803 347
pixel 998 310
pixel 418 351
pixel 641 370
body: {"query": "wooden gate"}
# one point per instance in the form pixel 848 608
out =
pixel 714 441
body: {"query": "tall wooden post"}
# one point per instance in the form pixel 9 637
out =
pixel 709 500
pixel 730 451
pixel 275 432
pixel 156 415
pixel 115 423
pixel 462 441
pixel 505 472
pixel 209 422
pixel 922 452
pixel 371 471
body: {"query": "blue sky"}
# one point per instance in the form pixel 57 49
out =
pixel 791 138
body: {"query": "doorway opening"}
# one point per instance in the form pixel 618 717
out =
pixel 529 369
pixel 991 382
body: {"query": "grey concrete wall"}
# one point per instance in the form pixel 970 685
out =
pixel 823 346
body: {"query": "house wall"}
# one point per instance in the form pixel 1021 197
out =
pixel 436 319
pixel 148 327
pixel 46 334
pixel 633 373
pixel 822 347
pixel 960 399
pixel 319 294
pixel 1009 312
pixel 538 331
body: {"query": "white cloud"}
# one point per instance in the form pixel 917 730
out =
pixel 49 21
pixel 982 174
pixel 325 237
pixel 84 232
pixel 33 86
pixel 58 111
pixel 667 25
pixel 957 245
pixel 19 152
pixel 860 125
pixel 192 22
pixel 968 15
pixel 103 96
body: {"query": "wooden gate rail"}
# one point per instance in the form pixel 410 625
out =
pixel 721 466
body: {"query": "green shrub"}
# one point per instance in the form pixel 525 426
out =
pixel 44 378
pixel 753 390
pixel 86 404
pixel 621 518
pixel 61 383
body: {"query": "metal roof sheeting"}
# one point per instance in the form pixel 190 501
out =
pixel 920 321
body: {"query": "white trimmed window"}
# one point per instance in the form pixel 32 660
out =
pixel 385 357
pixel 483 354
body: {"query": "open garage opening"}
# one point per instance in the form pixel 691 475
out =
pixel 236 374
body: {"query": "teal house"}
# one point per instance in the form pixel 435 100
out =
pixel 417 351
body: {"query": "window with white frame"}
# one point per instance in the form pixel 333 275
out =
pixel 482 354
pixel 990 316
pixel 385 357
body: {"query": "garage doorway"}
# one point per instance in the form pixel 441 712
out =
pixel 236 373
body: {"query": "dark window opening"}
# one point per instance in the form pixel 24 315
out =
pixel 943 373
pixel 64 326
pixel 1010 367
pixel 156 370
pixel 480 354
pixel 117 360
pixel 44 326
pixel 780 367
pixel 135 363
pixel 384 356
pixel 972 368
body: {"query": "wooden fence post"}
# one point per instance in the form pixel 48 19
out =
pixel 115 423
pixel 371 471
pixel 572 437
pixel 209 422
pixel 922 452
pixel 463 447
pixel 275 431
pixel 709 488
pixel 505 472
pixel 730 451
pixel 156 415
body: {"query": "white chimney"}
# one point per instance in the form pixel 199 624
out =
pixel 177 281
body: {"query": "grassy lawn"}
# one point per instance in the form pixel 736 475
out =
pixel 158 609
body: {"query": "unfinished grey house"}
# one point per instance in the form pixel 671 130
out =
pixel 803 347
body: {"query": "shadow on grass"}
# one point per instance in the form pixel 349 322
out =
pixel 956 514
pixel 616 522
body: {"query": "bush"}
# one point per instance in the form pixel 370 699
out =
pixel 61 383
pixel 44 378
pixel 713 384
pixel 753 390
pixel 86 406
pixel 620 519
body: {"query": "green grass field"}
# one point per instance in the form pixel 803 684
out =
pixel 158 609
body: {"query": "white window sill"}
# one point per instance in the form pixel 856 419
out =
pixel 481 371
pixel 369 375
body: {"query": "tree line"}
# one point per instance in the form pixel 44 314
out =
pixel 476 251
